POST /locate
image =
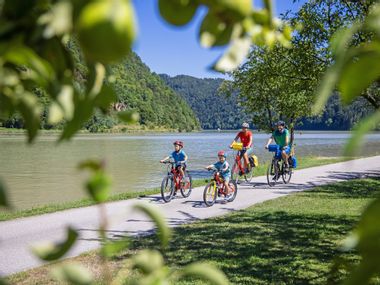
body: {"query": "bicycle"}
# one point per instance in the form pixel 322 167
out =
pixel 277 167
pixel 174 181
pixel 238 169
pixel 216 188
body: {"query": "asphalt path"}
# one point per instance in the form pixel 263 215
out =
pixel 17 236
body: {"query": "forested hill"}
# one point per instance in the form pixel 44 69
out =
pixel 215 111
pixel 138 88
pixel 212 109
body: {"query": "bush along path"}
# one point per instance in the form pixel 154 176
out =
pixel 18 235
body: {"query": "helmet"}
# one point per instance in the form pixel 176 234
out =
pixel 245 125
pixel 281 123
pixel 222 153
pixel 178 143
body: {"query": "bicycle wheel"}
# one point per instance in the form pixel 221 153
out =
pixel 272 173
pixel 186 185
pixel 233 187
pixel 235 173
pixel 209 194
pixel 248 176
pixel 167 188
pixel 286 175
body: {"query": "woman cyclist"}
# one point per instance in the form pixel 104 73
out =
pixel 245 137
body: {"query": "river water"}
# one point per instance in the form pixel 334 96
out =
pixel 45 172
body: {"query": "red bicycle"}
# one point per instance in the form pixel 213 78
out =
pixel 174 181
pixel 216 188
pixel 238 168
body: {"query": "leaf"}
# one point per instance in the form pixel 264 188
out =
pixel 72 273
pixel 214 32
pixel 363 127
pixel 129 117
pixel 30 110
pixel 206 272
pixel 58 20
pixel 4 202
pixel 148 261
pixel 105 97
pixel 98 186
pixel 51 251
pixel 325 89
pixel 339 42
pixel 16 8
pixel 164 231
pixel 112 248
pixel 63 107
pixel 177 12
pixel 359 73
pixel 3 282
pixel 234 56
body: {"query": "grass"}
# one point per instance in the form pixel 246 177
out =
pixel 289 240
pixel 51 208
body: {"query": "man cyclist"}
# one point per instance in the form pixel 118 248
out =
pixel 245 137
pixel 281 137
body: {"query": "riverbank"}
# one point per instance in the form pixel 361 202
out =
pixel 51 208
pixel 289 240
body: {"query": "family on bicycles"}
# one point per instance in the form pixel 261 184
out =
pixel 222 184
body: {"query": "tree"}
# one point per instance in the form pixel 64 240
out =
pixel 279 83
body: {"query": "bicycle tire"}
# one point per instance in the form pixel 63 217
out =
pixel 272 174
pixel 235 190
pixel 209 194
pixel 187 191
pixel 286 176
pixel 235 173
pixel 248 177
pixel 167 188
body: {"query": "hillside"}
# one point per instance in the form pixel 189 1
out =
pixel 215 111
pixel 212 109
pixel 136 88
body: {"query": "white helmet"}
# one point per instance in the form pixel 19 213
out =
pixel 245 125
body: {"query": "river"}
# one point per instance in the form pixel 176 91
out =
pixel 45 172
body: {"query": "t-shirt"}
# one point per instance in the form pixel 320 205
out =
pixel 245 138
pixel 223 167
pixel 280 138
pixel 178 156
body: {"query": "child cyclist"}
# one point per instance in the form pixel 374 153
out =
pixel 223 168
pixel 179 157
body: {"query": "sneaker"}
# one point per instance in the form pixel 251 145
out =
pixel 175 193
pixel 228 197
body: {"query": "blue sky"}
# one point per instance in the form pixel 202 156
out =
pixel 175 50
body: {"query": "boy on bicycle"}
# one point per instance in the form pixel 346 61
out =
pixel 179 157
pixel 245 137
pixel 282 138
pixel 223 168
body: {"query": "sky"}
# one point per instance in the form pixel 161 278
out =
pixel 176 50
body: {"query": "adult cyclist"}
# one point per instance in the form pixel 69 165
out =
pixel 281 137
pixel 245 136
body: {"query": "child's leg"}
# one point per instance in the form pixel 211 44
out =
pixel 226 181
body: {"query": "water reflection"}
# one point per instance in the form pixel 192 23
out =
pixel 46 172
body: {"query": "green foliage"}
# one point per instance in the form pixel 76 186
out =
pixel 50 251
pixel 72 273
pixel 212 109
pixel 280 83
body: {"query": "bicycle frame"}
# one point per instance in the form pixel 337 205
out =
pixel 218 183
pixel 177 177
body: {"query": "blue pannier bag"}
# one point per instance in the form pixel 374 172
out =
pixel 273 148
pixel 293 162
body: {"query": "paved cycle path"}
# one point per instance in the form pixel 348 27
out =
pixel 18 235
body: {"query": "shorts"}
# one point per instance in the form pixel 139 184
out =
pixel 178 165
pixel 248 151
pixel 279 152
pixel 226 177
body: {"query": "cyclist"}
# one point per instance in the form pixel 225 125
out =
pixel 179 157
pixel 223 168
pixel 281 137
pixel 245 137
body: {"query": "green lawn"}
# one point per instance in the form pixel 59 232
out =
pixel 289 240
pixel 50 208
